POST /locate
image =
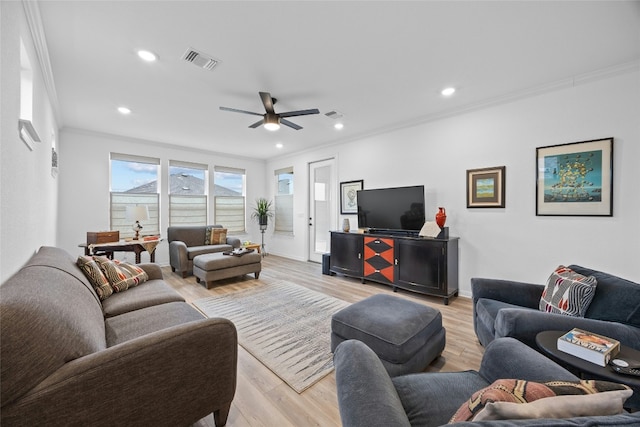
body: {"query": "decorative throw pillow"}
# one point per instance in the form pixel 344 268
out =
pixel 568 292
pixel 121 275
pixel 569 406
pixel 522 391
pixel 94 274
pixel 207 235
pixel 218 236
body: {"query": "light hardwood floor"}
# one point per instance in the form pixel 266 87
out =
pixel 262 399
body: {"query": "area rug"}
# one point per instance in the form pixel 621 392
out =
pixel 287 327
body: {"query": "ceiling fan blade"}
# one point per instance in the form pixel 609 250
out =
pixel 299 113
pixel 235 110
pixel 290 124
pixel 267 101
pixel 257 124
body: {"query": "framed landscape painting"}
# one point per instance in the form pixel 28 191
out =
pixel 486 187
pixel 575 179
pixel 349 196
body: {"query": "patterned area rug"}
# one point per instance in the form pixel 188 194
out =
pixel 285 326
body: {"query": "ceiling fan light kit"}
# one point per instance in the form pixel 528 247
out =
pixel 272 120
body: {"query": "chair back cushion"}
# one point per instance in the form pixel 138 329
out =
pixel 615 299
pixel 49 315
pixel 191 235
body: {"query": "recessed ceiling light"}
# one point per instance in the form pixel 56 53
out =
pixel 124 110
pixel 147 55
pixel 448 91
pixel 338 126
pixel 279 145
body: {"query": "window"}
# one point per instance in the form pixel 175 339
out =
pixel 134 182
pixel 229 200
pixel 284 200
pixel 187 193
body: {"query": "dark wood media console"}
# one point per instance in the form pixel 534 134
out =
pixel 425 265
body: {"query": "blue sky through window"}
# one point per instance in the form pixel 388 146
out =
pixel 126 175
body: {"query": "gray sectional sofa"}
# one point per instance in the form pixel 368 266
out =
pixel 187 242
pixel 369 397
pixel 140 357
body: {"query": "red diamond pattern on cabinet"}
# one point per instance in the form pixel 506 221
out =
pixel 378 259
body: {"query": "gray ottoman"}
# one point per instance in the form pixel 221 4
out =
pixel 218 266
pixel 405 335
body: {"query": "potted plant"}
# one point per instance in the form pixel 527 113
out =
pixel 262 212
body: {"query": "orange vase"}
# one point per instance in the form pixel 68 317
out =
pixel 441 217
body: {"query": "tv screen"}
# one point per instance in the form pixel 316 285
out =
pixel 399 208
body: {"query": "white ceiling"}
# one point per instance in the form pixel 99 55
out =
pixel 380 63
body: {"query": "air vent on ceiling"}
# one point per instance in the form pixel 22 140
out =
pixel 200 59
pixel 334 114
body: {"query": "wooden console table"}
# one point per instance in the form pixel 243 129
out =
pixel 135 246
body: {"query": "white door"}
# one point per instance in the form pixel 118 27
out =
pixel 323 207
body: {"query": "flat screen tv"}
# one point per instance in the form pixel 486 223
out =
pixel 391 209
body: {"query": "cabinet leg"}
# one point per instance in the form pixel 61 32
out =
pixel 446 301
pixel 394 289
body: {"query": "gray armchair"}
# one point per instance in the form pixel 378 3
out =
pixel 368 397
pixel 504 308
pixel 187 242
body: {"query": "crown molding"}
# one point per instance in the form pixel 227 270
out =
pixel 34 20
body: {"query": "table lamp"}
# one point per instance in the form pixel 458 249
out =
pixel 137 214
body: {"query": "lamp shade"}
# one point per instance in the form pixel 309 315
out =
pixel 137 213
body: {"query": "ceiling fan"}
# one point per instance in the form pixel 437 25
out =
pixel 271 119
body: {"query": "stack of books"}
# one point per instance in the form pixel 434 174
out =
pixel 586 345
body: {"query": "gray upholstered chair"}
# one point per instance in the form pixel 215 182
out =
pixel 187 242
pixel 505 308
pixel 369 397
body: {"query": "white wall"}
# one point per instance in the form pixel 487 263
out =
pixel 513 242
pixel 84 184
pixel 28 191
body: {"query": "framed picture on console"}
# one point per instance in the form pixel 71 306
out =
pixel 486 187
pixel 349 196
pixel 575 179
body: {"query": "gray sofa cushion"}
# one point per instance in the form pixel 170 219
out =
pixel 128 326
pixel 616 299
pixel 150 293
pixel 487 311
pixel 421 395
pixel 194 251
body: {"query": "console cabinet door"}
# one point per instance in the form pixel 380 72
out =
pixel 379 259
pixel 421 265
pixel 346 254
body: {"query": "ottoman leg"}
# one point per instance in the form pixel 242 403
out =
pixel 257 274
pixel 197 280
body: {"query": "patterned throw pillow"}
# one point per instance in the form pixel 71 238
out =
pixel 94 274
pixel 568 292
pixel 121 275
pixel 521 391
pixel 218 236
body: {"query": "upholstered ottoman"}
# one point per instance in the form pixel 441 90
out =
pixel 218 266
pixel 405 335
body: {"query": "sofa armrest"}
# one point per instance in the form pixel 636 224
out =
pixel 517 293
pixel 171 377
pixel 509 358
pixel 366 394
pixel 524 325
pixel 153 271
pixel 234 241
pixel 178 258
